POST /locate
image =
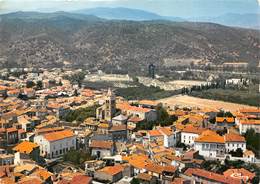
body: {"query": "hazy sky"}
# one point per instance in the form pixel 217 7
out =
pixel 180 8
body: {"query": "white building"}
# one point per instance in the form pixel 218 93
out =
pixel 55 144
pixel 210 144
pixel 246 124
pixel 189 134
pixel 101 149
pixel 234 141
pixel 170 137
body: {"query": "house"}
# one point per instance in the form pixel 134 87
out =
pixel 29 92
pixel 249 156
pixel 26 123
pixel 6 159
pixel 155 135
pixel 203 176
pixel 12 135
pixel 210 144
pixel 146 178
pixel 225 121
pixel 134 121
pixel 119 133
pixel 234 141
pixel 109 174
pixel 143 113
pixel 246 124
pixel 55 144
pixel 102 148
pixel 170 137
pixel 26 150
pixel 240 174
pixel 250 111
pixel 119 120
pixel 189 133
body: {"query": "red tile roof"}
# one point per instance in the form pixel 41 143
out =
pixel 54 136
pixel 112 170
pixel 209 176
pixel 25 147
pixel 81 179
pixel 101 144
pixel 209 136
pixel 154 133
pixel 233 137
pixel 239 174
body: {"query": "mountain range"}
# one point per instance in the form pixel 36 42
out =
pixel 33 39
pixel 120 13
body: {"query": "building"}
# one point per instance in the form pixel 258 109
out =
pixel 25 151
pixel 119 120
pixel 143 113
pixel 101 149
pixel 6 159
pixel 210 144
pixel 108 110
pixel 109 174
pixel 189 133
pixel 234 141
pixel 55 144
pixel 151 71
pixel 170 137
pixel 119 133
pixel 203 176
pixel 240 174
pixel 246 124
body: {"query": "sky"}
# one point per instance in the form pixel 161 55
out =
pixel 177 8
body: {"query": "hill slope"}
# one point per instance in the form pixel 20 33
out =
pixel 47 40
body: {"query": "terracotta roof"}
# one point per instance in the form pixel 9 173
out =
pixel 112 170
pixel 152 167
pixel 25 147
pixel 135 119
pixel 81 179
pixel 101 144
pixel 239 174
pixel 233 137
pixel 249 122
pixel 166 130
pixel 118 128
pixel 209 136
pixel 144 176
pixel 178 181
pixel 137 161
pixel 43 174
pixel 248 153
pixel 192 129
pixel 13 129
pixel 30 181
pixel 54 136
pixel 227 119
pixel 154 133
pixel 128 107
pixel 209 175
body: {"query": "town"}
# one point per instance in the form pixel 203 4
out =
pixel 57 131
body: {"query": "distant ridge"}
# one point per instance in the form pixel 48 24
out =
pixel 122 13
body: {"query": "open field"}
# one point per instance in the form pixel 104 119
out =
pixel 184 100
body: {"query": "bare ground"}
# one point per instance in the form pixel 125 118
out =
pixel 188 101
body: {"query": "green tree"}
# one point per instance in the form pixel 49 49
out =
pixel 39 85
pixel 135 181
pixel 30 84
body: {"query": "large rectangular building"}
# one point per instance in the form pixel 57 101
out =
pixel 55 144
